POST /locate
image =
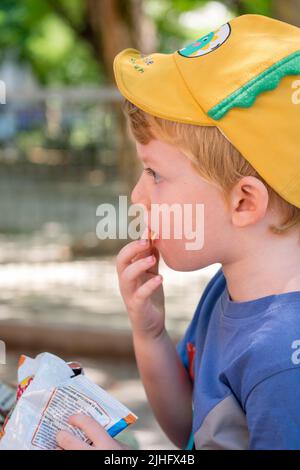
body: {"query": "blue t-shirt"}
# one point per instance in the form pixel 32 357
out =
pixel 244 361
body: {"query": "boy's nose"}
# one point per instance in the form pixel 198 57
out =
pixel 138 194
pixel 134 195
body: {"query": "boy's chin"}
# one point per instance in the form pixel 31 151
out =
pixel 183 265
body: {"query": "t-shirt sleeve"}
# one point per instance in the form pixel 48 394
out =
pixel 273 412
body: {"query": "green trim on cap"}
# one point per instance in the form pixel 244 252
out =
pixel 245 96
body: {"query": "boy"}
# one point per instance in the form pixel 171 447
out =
pixel 217 123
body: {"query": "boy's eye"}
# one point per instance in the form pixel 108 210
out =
pixel 153 174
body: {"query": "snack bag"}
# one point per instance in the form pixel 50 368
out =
pixel 49 392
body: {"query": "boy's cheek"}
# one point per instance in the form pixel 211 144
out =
pixel 173 253
pixel 179 257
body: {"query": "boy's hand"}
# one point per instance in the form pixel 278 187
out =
pixel 141 288
pixel 96 433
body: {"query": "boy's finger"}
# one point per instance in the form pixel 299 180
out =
pixel 129 252
pixel 148 288
pixel 67 441
pixel 155 266
pixel 151 251
pixel 136 269
pixel 140 265
pixel 96 433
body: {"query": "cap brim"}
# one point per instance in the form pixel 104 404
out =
pixel 155 85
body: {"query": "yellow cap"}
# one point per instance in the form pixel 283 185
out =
pixel 243 78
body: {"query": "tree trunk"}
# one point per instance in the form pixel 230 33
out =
pixel 116 25
pixel 288 11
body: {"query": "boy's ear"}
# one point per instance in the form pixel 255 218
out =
pixel 249 200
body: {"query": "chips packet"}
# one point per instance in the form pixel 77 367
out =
pixel 49 392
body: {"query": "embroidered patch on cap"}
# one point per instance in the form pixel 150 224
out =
pixel 208 43
pixel 139 64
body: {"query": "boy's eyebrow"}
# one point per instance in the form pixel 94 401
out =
pixel 147 159
pixel 144 158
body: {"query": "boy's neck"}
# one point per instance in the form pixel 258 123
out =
pixel 266 269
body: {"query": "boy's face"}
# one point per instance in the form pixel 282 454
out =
pixel 169 178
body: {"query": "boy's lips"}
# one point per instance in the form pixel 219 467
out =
pixel 151 234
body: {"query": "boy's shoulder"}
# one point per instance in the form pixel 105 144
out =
pixel 266 341
pixel 272 344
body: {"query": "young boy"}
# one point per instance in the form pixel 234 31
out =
pixel 217 123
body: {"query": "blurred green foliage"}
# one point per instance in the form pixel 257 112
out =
pixel 172 33
pixel 262 7
pixel 34 32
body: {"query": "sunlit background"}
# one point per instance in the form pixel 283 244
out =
pixel 63 151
